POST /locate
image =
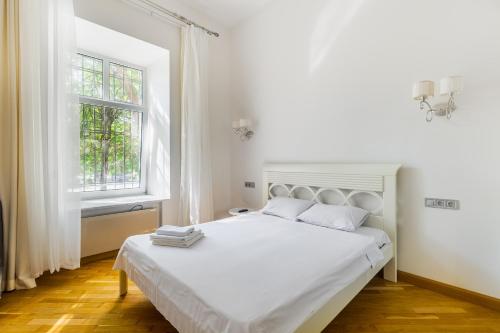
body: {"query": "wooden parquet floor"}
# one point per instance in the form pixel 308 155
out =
pixel 86 300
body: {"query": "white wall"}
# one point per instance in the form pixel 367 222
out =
pixel 158 140
pixel 330 81
pixel 121 17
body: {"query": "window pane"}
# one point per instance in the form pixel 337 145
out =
pixel 116 70
pixel 88 63
pixel 125 84
pixel 98 65
pixel 128 73
pixel 110 148
pixel 87 76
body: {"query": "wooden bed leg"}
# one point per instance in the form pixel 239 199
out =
pixel 390 271
pixel 123 283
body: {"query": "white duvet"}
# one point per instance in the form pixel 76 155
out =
pixel 251 273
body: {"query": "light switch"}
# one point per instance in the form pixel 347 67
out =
pixel 250 184
pixel 442 203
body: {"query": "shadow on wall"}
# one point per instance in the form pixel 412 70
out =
pixel 410 187
pixel 335 17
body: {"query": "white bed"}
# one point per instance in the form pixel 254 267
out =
pixel 259 273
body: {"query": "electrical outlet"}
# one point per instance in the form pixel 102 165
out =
pixel 453 204
pixel 442 203
pixel 249 184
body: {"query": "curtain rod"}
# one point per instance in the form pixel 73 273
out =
pixel 155 8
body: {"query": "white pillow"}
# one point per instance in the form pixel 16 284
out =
pixel 288 208
pixel 336 217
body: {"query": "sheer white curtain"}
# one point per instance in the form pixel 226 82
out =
pixel 196 203
pixel 50 134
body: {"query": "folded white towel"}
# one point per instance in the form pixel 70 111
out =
pixel 170 230
pixel 175 238
pixel 183 244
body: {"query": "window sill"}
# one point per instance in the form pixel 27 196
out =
pixel 114 202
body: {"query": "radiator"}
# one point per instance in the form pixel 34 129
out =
pixel 106 233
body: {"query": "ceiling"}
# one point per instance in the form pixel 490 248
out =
pixel 228 12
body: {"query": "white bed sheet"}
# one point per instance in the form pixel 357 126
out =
pixel 251 273
pixel 378 235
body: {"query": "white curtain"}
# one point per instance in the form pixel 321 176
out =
pixel 50 134
pixel 196 203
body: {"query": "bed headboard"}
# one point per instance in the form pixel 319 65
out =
pixel 369 186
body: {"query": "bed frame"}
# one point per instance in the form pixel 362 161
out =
pixel 346 184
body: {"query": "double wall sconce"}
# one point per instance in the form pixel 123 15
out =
pixel 243 128
pixel 450 87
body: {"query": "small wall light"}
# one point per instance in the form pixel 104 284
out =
pixel 243 128
pixel 449 86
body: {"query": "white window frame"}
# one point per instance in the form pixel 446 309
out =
pixel 106 102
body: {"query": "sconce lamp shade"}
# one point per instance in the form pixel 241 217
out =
pixel 242 123
pixel 245 123
pixel 423 89
pixel 451 85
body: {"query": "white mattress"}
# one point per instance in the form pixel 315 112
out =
pixel 251 273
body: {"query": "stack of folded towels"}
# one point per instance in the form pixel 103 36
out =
pixel 176 236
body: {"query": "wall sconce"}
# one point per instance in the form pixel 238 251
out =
pixel 242 128
pixel 449 86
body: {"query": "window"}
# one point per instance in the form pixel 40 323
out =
pixel 125 84
pixel 87 75
pixel 112 118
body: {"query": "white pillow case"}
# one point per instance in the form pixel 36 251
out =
pixel 336 217
pixel 288 208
